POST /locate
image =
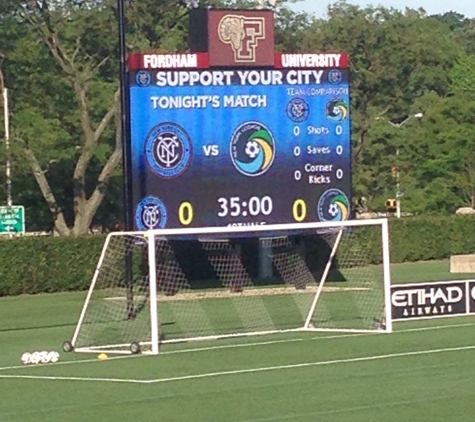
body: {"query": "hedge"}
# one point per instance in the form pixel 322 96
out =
pixel 47 264
pixel 32 265
pixel 432 237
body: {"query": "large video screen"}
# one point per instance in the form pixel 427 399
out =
pixel 214 147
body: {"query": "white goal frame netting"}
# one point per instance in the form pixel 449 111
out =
pixel 141 295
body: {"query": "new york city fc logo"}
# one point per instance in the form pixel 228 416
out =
pixel 168 149
pixel 143 78
pixel 150 214
pixel 252 149
pixel 298 110
pixel 335 77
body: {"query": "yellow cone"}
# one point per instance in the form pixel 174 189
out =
pixel 103 356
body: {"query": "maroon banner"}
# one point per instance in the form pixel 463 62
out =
pixel 312 60
pixel 151 61
pixel 168 61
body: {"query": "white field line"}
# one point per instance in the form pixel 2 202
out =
pixel 244 371
pixel 70 362
pixel 340 410
pixel 52 378
pixel 233 346
pixel 435 327
pixel 309 364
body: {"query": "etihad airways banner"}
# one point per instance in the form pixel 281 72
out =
pixel 432 300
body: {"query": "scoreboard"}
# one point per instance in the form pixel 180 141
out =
pixel 237 146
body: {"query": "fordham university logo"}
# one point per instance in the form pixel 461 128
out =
pixel 150 214
pixel 243 34
pixel 168 149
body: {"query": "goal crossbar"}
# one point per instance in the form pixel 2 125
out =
pixel 263 230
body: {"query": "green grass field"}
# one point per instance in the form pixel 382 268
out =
pixel 422 372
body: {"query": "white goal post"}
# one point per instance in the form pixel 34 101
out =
pixel 174 285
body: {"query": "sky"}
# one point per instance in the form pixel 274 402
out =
pixel 432 7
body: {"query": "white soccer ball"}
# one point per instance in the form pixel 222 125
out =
pixel 53 356
pixel 26 358
pixel 333 210
pixel 44 357
pixel 252 149
pixel 35 358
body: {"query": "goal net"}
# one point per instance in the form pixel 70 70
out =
pixel 158 287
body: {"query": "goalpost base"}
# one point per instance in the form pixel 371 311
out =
pixel 122 349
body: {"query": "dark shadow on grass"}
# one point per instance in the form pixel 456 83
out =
pixel 37 327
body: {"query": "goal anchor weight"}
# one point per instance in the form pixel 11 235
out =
pixel 135 348
pixel 67 346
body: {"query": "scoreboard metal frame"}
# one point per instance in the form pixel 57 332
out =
pixel 238 146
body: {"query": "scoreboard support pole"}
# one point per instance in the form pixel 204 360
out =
pixel 126 151
pixel 125 118
pixel 265 261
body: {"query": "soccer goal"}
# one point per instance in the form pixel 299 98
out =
pixel 165 286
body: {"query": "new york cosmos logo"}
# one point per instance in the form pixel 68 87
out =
pixel 151 213
pixel 143 78
pixel 252 149
pixel 168 149
pixel 333 206
pixel 337 110
pixel 298 110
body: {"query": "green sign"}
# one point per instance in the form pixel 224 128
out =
pixel 12 219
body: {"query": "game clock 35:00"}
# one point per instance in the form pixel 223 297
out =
pixel 234 208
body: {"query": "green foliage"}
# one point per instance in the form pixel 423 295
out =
pixel 423 238
pixel 47 264
pixel 401 63
pixel 439 159
pixel 56 264
pixel 463 29
pixel 433 237
pixel 463 74
pixel 387 81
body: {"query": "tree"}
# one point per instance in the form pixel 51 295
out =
pixel 66 89
pixel 395 59
pixel 60 63
pixel 72 71
pixel 443 164
pixel 463 74
pixel 462 27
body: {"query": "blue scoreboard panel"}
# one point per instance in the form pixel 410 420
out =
pixel 228 147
